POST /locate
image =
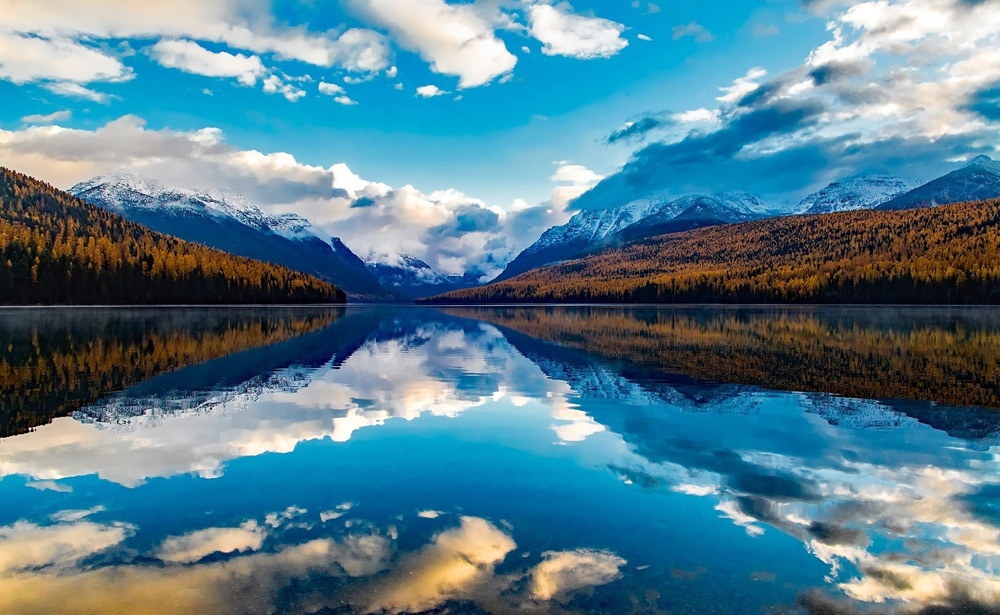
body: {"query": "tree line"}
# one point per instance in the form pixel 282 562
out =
pixel 57 249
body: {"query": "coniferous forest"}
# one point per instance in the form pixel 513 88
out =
pixel 57 249
pixel 938 255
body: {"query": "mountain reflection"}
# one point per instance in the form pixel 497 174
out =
pixel 414 461
pixel 942 355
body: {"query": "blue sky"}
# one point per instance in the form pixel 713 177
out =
pixel 436 111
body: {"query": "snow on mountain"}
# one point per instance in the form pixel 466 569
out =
pixel 418 279
pixel 125 190
pixel 853 193
pixel 230 222
pixel 583 230
pixel 977 180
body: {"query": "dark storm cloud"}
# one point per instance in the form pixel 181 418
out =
pixel 363 202
pixel 710 159
pixel 838 71
pixel 986 102
pixel 717 162
pixel 473 218
pixel 638 129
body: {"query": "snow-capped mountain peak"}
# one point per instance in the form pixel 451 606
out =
pixel 853 193
pixel 984 162
pixel 124 190
pixel 592 225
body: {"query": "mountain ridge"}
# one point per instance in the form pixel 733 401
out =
pixel 228 221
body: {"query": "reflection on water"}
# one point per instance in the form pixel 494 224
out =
pixel 55 361
pixel 499 461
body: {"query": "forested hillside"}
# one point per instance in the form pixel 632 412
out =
pixel 948 254
pixel 57 249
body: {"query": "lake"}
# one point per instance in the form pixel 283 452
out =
pixel 687 460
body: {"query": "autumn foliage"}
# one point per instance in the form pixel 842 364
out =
pixel 57 249
pixel 940 255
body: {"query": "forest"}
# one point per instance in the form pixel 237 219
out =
pixel 57 249
pixel 937 255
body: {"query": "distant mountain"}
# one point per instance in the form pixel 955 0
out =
pixel 416 278
pixel 978 180
pixel 853 193
pixel 229 222
pixel 582 232
pixel 691 212
pixel 944 255
pixel 58 249
pixel 592 230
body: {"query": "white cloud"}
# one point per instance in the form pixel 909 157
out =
pixel 447 568
pixel 391 72
pixel 449 230
pixel 694 30
pixel 194 546
pixel 25 58
pixel 244 26
pixel 697 115
pixel 567 34
pixel 576 178
pixel 55 116
pixel 75 90
pixel 742 86
pixel 564 572
pixel 643 37
pixel 430 91
pixel 56 42
pixel 330 89
pixel 456 39
pixel 191 57
pixel 26 546
pixel 274 84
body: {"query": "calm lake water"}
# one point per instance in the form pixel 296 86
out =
pixel 511 460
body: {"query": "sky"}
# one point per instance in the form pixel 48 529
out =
pixel 457 132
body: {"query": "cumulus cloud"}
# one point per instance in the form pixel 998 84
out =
pixel 561 573
pixel 25 546
pixel 338 93
pixel 456 39
pixel 274 84
pixel 898 87
pixel 430 91
pixel 564 33
pixel 191 57
pixel 455 562
pixel 194 546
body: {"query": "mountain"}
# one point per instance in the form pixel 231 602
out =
pixel 416 278
pixel 229 222
pixel 691 212
pixel 978 180
pixel 592 230
pixel 57 249
pixel 853 193
pixel 583 231
pixel 944 255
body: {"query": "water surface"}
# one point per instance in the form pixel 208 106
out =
pixel 480 460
